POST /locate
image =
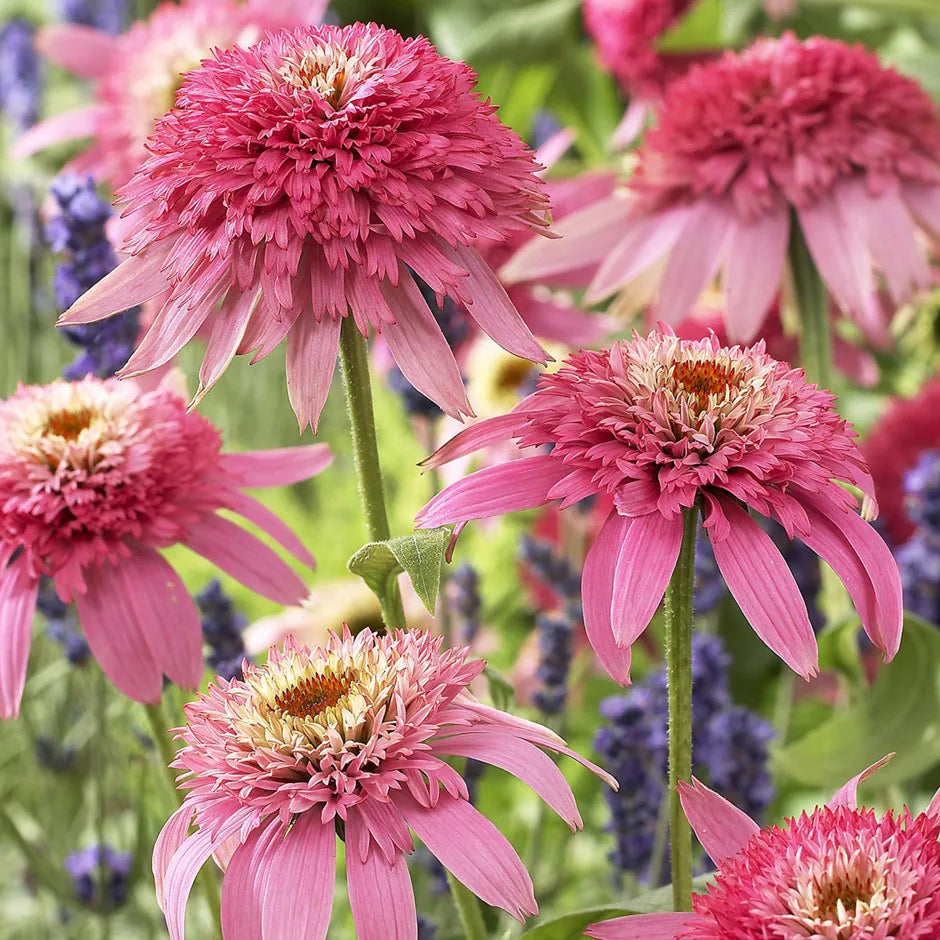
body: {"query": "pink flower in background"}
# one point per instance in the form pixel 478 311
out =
pixel 299 182
pixel 837 873
pixel 349 737
pixel 95 477
pixel 908 427
pixel 137 74
pixel 817 130
pixel 659 424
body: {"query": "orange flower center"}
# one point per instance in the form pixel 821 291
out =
pixel 70 422
pixel 314 694
pixel 846 889
pixel 702 379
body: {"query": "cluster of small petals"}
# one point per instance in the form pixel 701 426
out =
pixel 626 32
pixel 327 728
pixel 667 418
pixel 836 874
pixel 791 117
pixel 86 466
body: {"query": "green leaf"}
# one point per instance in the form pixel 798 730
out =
pixel 571 926
pixel 502 691
pixel 420 554
pixel 702 29
pixel 901 713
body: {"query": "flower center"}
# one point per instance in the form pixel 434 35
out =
pixel 700 379
pixel 313 695
pixel 326 70
pixel 838 897
pixel 69 422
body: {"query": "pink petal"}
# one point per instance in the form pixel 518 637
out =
pixel 17 605
pixel 507 487
pixel 640 927
pixel 760 581
pixel 481 858
pixel 864 564
pixel 933 808
pixel 695 259
pixel 923 199
pixel 279 467
pixel 419 348
pixel 644 565
pixel 86 51
pixel 597 588
pixel 586 239
pixel 887 229
pixel 70 125
pixel 641 244
pixel 242 885
pixel 720 826
pixel 249 508
pixel 311 360
pixel 380 892
pixel 228 328
pixel 382 828
pixel 300 872
pixel 558 320
pixel 471 439
pixel 847 794
pixel 173 834
pixel 555 147
pixel 754 271
pixel 246 559
pixel 521 759
pixel 492 309
pixel 134 280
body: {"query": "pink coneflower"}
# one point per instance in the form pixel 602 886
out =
pixel 347 738
pixel 299 182
pixel 837 873
pixel 95 477
pixel 908 427
pixel 138 73
pixel 659 424
pixel 817 129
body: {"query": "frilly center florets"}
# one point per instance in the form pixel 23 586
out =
pixel 332 71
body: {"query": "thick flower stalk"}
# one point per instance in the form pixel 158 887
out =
pixel 300 182
pixel 136 74
pixel 815 131
pixel 837 873
pixel 659 425
pixel 95 478
pixel 349 740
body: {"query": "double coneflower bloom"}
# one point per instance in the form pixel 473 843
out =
pixel 302 181
pixel 658 425
pixel 95 478
pixel 348 740
pixel 816 133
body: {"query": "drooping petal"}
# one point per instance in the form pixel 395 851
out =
pixel 597 588
pixel 18 593
pixel 380 892
pixel 171 837
pixel 694 259
pixel 847 794
pixel 644 565
pixel 298 887
pixel 242 886
pixel 247 560
pixel 508 487
pixel 133 281
pixel 640 927
pixel 70 125
pixel 754 271
pixel 720 826
pixel 492 309
pixel 281 466
pixel 474 438
pixel 311 360
pixel 84 50
pixel 523 760
pixel 481 858
pixel 420 350
pixel 762 584
pixel 249 508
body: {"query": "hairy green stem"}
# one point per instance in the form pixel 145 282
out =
pixel 355 367
pixel 679 680
pixel 812 302
pixel 468 910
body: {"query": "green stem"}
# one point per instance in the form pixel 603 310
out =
pixel 812 302
pixel 679 680
pixel 468 910
pixel 355 367
pixel 101 809
pixel 207 880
